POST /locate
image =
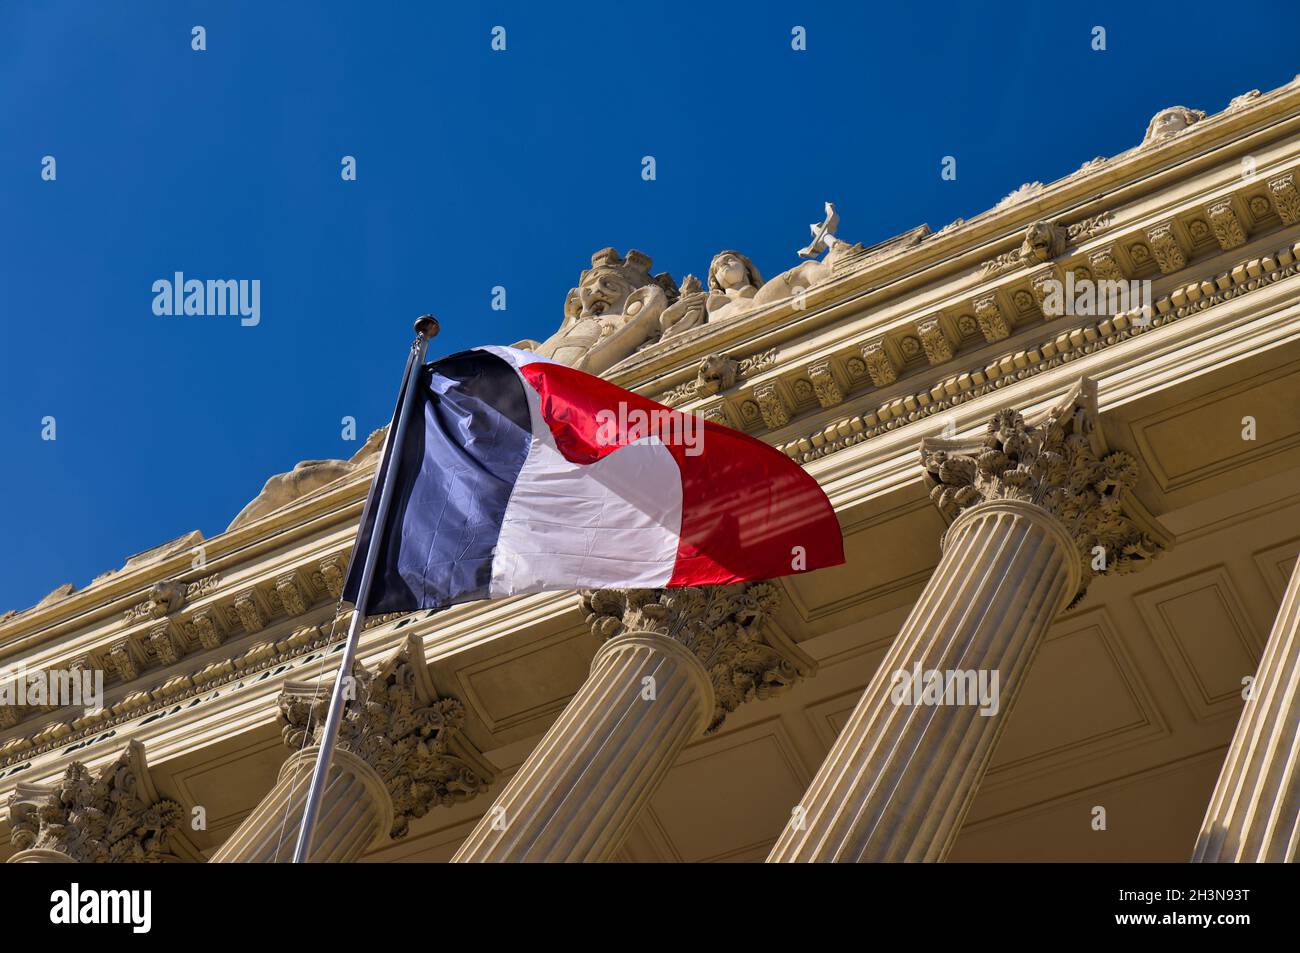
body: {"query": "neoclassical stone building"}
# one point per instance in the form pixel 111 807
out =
pixel 1093 497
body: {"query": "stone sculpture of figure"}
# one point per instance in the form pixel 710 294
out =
pixel 614 311
pixel 733 283
pixel 1170 122
pixel 688 311
pixel 804 276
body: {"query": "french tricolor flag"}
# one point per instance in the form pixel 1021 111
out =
pixel 520 475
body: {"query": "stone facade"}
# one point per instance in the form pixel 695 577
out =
pixel 1098 504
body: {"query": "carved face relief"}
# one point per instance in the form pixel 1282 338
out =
pixel 733 273
pixel 1042 242
pixel 717 373
pixel 603 292
pixel 1170 122
pixel 730 273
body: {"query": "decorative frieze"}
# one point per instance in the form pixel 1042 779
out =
pixel 1286 198
pixel 1045 241
pixel 1164 245
pixel 1066 346
pixel 164 598
pixel 880 365
pixel 1091 227
pixel 1227 227
pixel 717 373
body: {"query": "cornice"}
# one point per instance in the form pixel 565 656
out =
pixel 778 349
pixel 1027 359
pixel 1204 336
pixel 960 251
pixel 930 339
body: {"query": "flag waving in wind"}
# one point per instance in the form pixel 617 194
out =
pixel 517 475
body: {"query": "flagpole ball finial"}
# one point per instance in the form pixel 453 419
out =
pixel 427 325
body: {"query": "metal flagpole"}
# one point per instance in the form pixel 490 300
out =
pixel 426 327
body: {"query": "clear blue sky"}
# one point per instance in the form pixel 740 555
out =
pixel 475 169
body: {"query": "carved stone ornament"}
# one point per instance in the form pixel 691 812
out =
pixel 993 324
pixel 395 721
pixel 1043 242
pixel 1170 122
pixel 305 479
pixel 880 366
pixel 1016 196
pixel 164 598
pixel 717 373
pixel 734 280
pixel 1061 464
pixel 115 817
pixel 772 405
pixel 1286 197
pixel 724 626
pixel 614 311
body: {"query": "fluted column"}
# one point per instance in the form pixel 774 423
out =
pixel 1254 814
pixel 400 752
pixel 356 810
pixel 674 664
pixel 1036 512
pixel 115 816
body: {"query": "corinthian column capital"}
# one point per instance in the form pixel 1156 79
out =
pixel 1062 465
pixel 723 627
pixel 396 723
pixel 114 816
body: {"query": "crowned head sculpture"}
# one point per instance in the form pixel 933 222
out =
pixel 605 287
pixel 613 311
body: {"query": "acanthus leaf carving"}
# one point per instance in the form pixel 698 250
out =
pixel 938 349
pixel 1286 197
pixel 1105 265
pixel 291 595
pixel 993 324
pixel 824 384
pixel 880 365
pixel 249 612
pixel 723 626
pixel 397 724
pixel 1164 245
pixel 772 405
pixel 1227 226
pixel 1043 242
pixel 332 570
pixel 115 816
pixel 1062 465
